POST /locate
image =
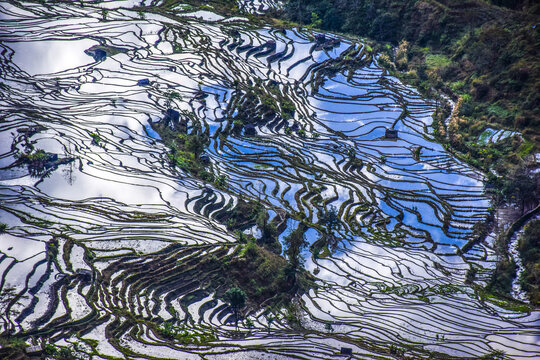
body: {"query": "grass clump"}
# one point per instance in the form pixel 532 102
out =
pixel 186 151
pixel 59 352
pixel 96 139
pixel 38 156
pixel 186 336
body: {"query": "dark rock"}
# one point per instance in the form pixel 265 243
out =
pixel 143 82
pixel 271 44
pixel 326 43
pixel 320 38
pixel 200 95
pixel 84 274
pixel 171 118
pixel 97 54
pixel 250 129
pixel 100 55
pixel 295 126
pixel 335 42
pixel 204 158
pixel 391 134
pixel 346 351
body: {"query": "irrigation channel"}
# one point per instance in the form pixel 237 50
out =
pixel 107 237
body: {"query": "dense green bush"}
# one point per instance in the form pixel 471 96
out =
pixel 504 275
pixel 529 248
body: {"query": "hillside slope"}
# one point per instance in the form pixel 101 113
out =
pixel 486 54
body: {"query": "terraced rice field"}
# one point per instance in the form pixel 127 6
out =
pixel 105 246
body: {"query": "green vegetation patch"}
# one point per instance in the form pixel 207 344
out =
pixel 261 274
pixel 529 249
pixel 187 336
pixel 37 156
pixel 96 139
pixel 525 148
pixel 185 153
pixel 436 61
pixel 257 102
pixel 505 273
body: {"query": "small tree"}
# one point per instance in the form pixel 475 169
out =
pixel 328 326
pixel 268 229
pixel 329 218
pixel 196 144
pixel 315 20
pixel 236 298
pixel 295 243
pixel 269 320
